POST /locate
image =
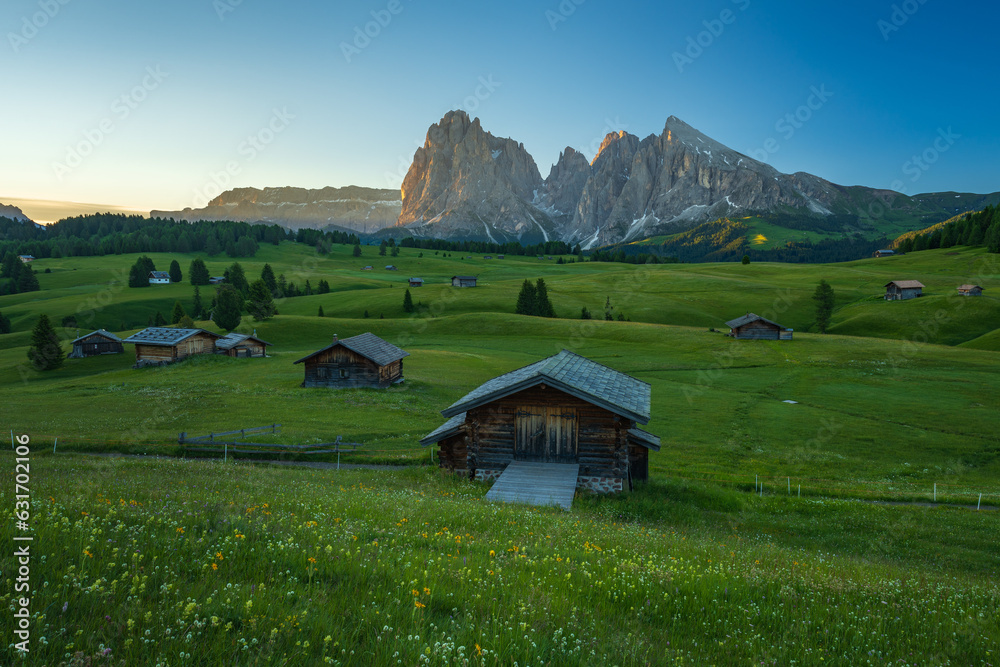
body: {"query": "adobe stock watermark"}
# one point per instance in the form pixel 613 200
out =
pixel 790 123
pixel 562 13
pixel 31 25
pixel 249 149
pixel 900 16
pixel 121 108
pixel 714 28
pixel 223 7
pixel 364 35
pixel 921 163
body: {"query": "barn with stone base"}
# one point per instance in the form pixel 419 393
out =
pixel 359 361
pixel 562 410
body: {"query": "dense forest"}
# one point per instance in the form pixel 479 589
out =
pixel 972 229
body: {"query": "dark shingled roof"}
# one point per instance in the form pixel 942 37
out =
pixel 165 336
pixel 747 319
pixel 232 340
pixel 369 346
pixel 969 287
pixel 587 380
pixel 906 284
pixel 453 426
pixel 159 275
pixel 647 440
pixel 464 277
pixel 100 332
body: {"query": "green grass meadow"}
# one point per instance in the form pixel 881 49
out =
pixel 178 561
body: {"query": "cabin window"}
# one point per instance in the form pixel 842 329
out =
pixel 344 373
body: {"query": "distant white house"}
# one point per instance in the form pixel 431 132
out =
pixel 159 278
pixel 25 259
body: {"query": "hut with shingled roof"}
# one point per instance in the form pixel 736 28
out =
pixel 360 361
pixel 565 409
pixel 97 343
pixel 165 345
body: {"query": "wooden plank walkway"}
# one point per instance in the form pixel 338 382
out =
pixel 536 484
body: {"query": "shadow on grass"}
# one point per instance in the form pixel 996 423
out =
pixel 663 501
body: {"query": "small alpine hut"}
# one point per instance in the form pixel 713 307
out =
pixel 416 282
pixel 241 345
pixel 26 259
pixel 159 278
pixel 901 290
pixel 97 343
pixel 164 345
pixel 755 327
pixel 463 281
pixel 564 409
pixel 884 253
pixel 360 361
pixel 970 290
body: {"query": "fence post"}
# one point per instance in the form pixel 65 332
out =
pixel 980 504
pixel 935 491
pixel 54 445
pixel 225 452
pixel 800 490
pixel 789 486
pixel 12 446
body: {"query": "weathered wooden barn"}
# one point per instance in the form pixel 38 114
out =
pixel 565 409
pixel 884 253
pixel 755 327
pixel 241 345
pixel 164 345
pixel 360 361
pixel 970 290
pixel 416 282
pixel 97 343
pixel 463 281
pixel 900 290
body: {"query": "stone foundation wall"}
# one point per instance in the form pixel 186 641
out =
pixel 487 475
pixel 600 484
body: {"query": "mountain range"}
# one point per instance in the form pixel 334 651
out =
pixel 466 184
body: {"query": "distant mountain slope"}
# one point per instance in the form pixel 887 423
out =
pixel 13 212
pixel 355 208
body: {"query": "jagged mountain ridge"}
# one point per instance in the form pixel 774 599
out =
pixel 13 212
pixel 355 208
pixel 458 188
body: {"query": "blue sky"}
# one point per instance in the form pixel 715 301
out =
pixel 157 105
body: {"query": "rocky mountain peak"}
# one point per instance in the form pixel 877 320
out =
pixel 12 212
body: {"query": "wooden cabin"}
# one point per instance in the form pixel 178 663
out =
pixel 970 290
pixel 755 327
pixel 159 278
pixel 360 361
pixel 901 290
pixel 241 346
pixel 463 281
pixel 564 409
pixel 884 253
pixel 97 343
pixel 391 267
pixel 26 259
pixel 416 282
pixel 216 280
pixel 165 345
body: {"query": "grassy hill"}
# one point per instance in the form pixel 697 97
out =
pixel 268 565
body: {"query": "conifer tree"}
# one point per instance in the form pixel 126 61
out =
pixel 46 351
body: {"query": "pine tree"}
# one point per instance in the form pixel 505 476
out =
pixel 381 249
pixel 28 281
pixel 197 311
pixel 267 275
pixel 159 320
pixel 395 251
pixel 175 272
pixel 585 314
pixel 543 307
pixel 408 306
pixel 320 313
pixel 323 287
pixel 228 307
pixel 238 279
pixel 138 276
pixel 357 250
pixel 309 289
pixel 45 353
pixel 824 298
pixel 746 259
pixel 526 299
pixel 177 313
pixel 198 272
pixel 260 304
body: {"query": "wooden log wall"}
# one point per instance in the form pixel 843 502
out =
pixel 326 370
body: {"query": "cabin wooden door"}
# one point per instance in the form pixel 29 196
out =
pixel 545 434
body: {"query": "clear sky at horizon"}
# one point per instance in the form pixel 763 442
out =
pixel 157 105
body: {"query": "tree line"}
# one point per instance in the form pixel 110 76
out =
pixel 981 228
